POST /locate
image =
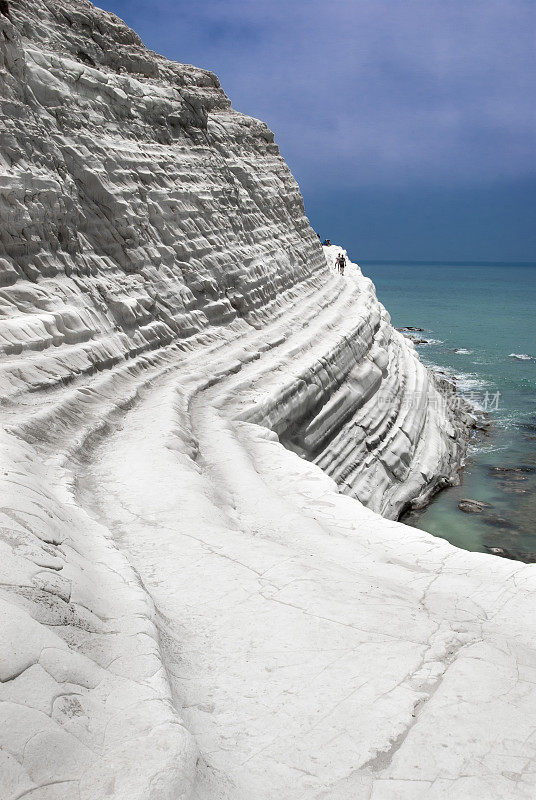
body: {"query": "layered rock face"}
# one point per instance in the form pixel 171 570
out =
pixel 140 209
pixel 138 206
pixel 190 607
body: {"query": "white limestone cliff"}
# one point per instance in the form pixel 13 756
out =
pixel 200 420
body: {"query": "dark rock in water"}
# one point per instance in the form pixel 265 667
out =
pixel 528 430
pixel 514 555
pixel 511 482
pixel 411 328
pixel 498 522
pixel 409 332
pixel 513 489
pixel 500 551
pixel 472 506
pixel 498 471
pixel 528 426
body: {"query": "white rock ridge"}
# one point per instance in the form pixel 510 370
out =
pixel 189 608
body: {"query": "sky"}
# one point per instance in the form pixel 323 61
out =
pixel 410 125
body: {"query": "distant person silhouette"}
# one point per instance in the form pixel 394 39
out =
pixel 340 263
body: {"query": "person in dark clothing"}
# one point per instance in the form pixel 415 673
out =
pixel 340 263
pixel 326 242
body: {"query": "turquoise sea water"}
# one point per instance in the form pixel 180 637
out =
pixel 488 314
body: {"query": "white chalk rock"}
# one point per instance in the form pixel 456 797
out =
pixel 199 423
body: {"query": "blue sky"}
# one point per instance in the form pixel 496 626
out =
pixel 409 124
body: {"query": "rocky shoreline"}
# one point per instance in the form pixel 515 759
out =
pixel 508 479
pixel 390 432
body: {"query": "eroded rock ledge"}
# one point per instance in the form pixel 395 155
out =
pixel 189 608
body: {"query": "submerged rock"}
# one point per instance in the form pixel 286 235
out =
pixel 410 332
pixel 528 430
pixel 512 553
pixel 513 488
pixel 472 506
pixel 483 426
pixel 501 551
pixel 499 522
pixel 512 473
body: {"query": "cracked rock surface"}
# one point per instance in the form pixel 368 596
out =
pixel 201 424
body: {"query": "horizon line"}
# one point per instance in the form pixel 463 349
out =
pixel 446 263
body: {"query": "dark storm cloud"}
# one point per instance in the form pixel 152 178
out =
pixel 409 124
pixel 364 91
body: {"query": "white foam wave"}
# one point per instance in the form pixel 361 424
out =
pixel 469 383
pixel 521 356
pixel 475 390
pixel 480 446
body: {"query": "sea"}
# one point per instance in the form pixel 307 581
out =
pixel 479 322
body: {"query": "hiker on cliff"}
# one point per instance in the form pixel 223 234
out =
pixel 326 242
pixel 340 263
